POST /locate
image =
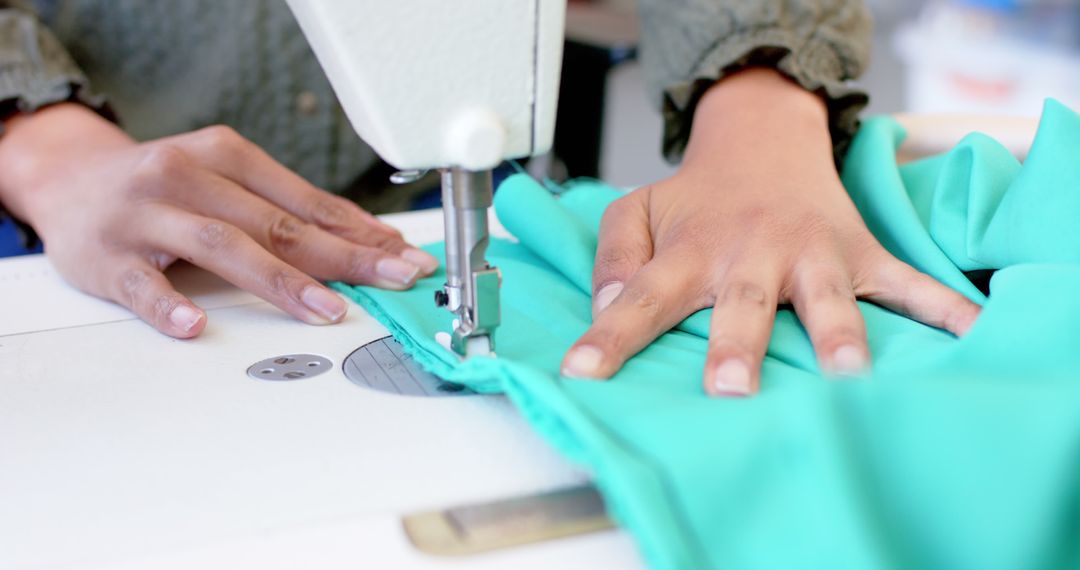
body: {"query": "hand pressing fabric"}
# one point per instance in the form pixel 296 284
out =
pixel 755 217
pixel 114 213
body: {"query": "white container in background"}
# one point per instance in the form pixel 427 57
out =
pixel 964 60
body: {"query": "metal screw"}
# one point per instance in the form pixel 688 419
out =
pixel 289 367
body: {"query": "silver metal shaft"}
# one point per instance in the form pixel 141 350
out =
pixel 472 286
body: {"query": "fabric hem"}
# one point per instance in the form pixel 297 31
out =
pixel 565 426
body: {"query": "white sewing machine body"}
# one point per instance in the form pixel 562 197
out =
pixel 458 86
pixel 437 83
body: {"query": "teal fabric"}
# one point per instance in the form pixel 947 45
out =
pixel 953 453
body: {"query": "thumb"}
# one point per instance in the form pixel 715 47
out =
pixel 144 290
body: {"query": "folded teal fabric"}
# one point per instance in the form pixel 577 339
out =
pixel 952 453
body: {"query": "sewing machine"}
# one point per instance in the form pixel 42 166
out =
pixel 124 449
pixel 458 86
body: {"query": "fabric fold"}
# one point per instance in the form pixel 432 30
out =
pixel 951 453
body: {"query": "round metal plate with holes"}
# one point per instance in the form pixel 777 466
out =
pixel 383 365
pixel 289 367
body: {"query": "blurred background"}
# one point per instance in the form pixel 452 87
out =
pixel 983 57
pixel 973 57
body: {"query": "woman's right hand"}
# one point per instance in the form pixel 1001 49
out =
pixel 114 213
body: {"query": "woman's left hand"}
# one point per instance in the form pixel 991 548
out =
pixel 755 217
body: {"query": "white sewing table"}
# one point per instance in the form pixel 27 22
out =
pixel 121 448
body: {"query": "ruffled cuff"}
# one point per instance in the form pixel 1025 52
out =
pixel 815 65
pixel 36 71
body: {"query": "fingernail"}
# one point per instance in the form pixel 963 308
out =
pixel 324 303
pixel 965 325
pixel 583 362
pixel 185 317
pixel 732 377
pixel 848 360
pixel 421 259
pixel 397 270
pixel 606 295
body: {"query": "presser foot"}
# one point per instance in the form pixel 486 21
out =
pixel 465 346
pixel 471 291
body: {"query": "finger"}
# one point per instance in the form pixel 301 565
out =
pixel 825 302
pixel 653 301
pixel 143 289
pixel 329 257
pixel 226 250
pixel 739 332
pixel 231 155
pixel 302 245
pixel 624 246
pixel 904 289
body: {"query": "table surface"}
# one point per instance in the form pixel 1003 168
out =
pixel 123 448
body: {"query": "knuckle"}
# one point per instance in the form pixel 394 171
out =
pixel 286 283
pixel 724 346
pixel 746 293
pixel 132 281
pixel 361 263
pixel 813 226
pixel 755 217
pixel 329 212
pixel 160 163
pixel 221 137
pixel 613 259
pixel 838 335
pixel 609 340
pixel 377 236
pixel 215 235
pixel 397 235
pixel 643 301
pixel 832 290
pixel 383 241
pixel 283 233
pixel 134 286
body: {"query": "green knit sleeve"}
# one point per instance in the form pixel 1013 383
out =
pixel 687 45
pixel 35 69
